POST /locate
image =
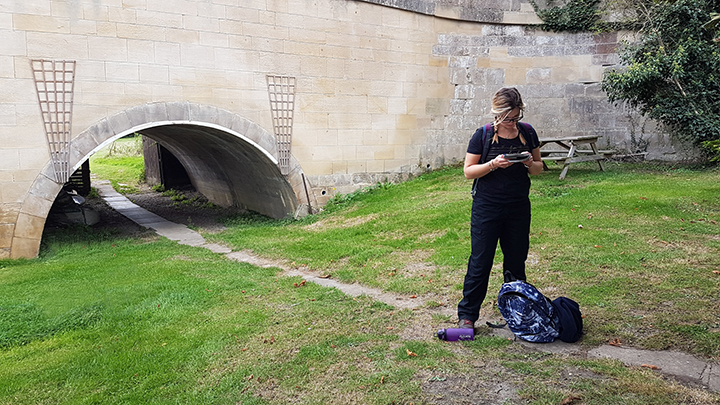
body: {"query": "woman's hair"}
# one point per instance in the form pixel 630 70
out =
pixel 503 102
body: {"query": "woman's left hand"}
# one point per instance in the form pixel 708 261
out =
pixel 528 162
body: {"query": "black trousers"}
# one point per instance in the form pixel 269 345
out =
pixel 490 222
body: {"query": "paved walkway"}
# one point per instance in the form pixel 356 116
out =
pixel 680 365
pixel 185 236
pixel 180 233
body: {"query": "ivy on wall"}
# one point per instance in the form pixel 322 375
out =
pixel 582 16
pixel 574 16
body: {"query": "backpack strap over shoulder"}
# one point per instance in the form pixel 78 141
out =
pixel 486 137
pixel 487 134
pixel 527 130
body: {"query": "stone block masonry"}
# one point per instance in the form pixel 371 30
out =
pixel 386 89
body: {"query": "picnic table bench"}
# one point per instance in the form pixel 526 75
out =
pixel 569 153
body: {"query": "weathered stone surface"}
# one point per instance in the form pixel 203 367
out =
pixel 36 205
pixel 178 111
pixel 137 115
pixel 81 147
pixel 204 113
pixel 6 235
pixel 386 89
pixel 119 122
pixel 24 248
pixel 45 187
pixel 29 226
pixel 156 112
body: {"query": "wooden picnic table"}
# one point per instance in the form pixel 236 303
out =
pixel 569 152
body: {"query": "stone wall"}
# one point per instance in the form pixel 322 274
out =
pixel 386 89
pixel 484 11
pixel 559 75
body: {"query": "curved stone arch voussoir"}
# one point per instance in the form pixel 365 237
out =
pixel 162 121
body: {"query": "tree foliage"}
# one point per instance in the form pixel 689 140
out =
pixel 671 73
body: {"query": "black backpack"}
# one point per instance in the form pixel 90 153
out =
pixel 571 322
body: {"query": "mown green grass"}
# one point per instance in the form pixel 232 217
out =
pixel 122 163
pixel 120 321
pixel 635 245
pixel 101 319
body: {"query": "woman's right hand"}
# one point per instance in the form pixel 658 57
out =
pixel 500 162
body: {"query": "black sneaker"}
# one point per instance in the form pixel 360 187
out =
pixel 466 324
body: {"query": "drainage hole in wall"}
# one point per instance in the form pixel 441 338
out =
pixel 323 192
pixel 428 165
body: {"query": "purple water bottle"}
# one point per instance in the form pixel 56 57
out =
pixel 453 334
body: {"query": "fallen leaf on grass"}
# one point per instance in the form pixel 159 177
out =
pixel 615 342
pixel 409 353
pixel 302 283
pixel 597 246
pixel 413 296
pixel 716 272
pixel 650 366
pixel 569 400
pixel 325 276
pixel 382 379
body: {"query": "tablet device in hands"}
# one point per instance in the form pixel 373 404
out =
pixel 517 157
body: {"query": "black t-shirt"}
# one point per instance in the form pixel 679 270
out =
pixel 511 184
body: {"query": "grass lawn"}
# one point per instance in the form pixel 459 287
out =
pixel 638 246
pixel 122 163
pixel 102 319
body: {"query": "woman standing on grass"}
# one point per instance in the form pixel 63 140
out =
pixel 501 207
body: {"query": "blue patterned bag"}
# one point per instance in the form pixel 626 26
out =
pixel 528 313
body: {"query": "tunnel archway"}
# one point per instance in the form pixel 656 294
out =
pixel 229 159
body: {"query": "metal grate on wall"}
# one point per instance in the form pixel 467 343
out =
pixel 54 85
pixel 281 90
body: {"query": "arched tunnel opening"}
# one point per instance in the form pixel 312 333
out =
pixel 229 170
